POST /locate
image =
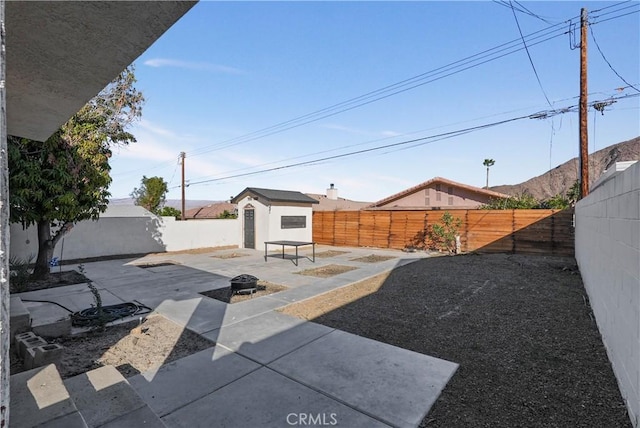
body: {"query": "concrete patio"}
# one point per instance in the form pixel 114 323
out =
pixel 267 369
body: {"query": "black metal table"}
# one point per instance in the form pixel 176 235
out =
pixel 290 244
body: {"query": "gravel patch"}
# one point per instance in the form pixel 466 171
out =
pixel 327 271
pixel 520 327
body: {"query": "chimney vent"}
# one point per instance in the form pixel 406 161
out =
pixel 332 192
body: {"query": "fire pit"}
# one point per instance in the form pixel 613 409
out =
pixel 244 283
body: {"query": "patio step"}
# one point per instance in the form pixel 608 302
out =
pixel 104 398
pixel 98 398
pixel 40 398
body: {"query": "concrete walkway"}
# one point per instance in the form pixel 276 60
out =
pixel 267 369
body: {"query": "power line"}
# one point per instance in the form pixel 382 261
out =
pixel 393 89
pixel 529 55
pixel 608 63
pixel 466 63
pixel 416 141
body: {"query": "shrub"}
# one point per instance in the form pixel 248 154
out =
pixel 19 273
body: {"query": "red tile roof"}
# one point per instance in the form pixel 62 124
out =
pixel 210 211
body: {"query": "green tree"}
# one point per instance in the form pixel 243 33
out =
pixel 227 214
pixel 442 235
pixel 488 163
pixel 170 212
pixel 573 194
pixel 61 181
pixel 151 194
pixel 519 202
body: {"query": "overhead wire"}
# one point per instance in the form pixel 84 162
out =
pixel 421 141
pixel 471 61
pixel 394 89
pixel 204 178
pixel 608 63
pixel 529 55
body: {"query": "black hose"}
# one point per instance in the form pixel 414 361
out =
pixel 92 317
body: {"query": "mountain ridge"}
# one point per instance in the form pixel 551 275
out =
pixel 559 179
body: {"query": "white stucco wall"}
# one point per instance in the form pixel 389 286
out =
pixel 130 235
pixel 608 254
pixel 185 235
pixel 276 233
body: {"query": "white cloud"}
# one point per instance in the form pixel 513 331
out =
pixel 192 65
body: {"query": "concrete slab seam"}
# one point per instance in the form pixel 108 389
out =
pixel 214 391
pixel 365 412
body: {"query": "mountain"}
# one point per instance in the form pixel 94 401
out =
pixel 562 177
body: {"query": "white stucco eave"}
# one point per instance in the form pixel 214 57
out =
pixel 62 53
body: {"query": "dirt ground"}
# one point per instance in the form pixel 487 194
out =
pixel 327 271
pixel 520 327
pixel 131 347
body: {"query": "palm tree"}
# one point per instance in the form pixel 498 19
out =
pixel 488 163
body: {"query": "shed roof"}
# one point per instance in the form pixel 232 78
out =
pixel 276 195
pixel 434 180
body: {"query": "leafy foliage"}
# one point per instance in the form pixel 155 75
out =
pixel 519 202
pixel 439 236
pixel 151 194
pixel 170 212
pixel 19 273
pixel 573 194
pixel 65 179
pixel 442 236
pixel 227 214
pixel 526 201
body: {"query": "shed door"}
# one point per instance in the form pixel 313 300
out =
pixel 249 229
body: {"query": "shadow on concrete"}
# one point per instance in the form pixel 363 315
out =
pixel 529 351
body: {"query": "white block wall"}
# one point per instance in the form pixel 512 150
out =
pixel 608 254
pixel 129 235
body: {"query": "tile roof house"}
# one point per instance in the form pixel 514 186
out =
pixel 210 211
pixel 438 193
pixel 331 202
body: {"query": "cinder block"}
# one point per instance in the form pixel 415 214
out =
pixel 56 329
pixel 42 355
pixel 28 343
pixel 19 317
pixel 20 336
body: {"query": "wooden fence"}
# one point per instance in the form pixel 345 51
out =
pixel 516 231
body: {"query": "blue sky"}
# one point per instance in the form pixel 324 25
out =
pixel 229 69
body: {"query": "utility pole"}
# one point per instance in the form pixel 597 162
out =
pixel 584 108
pixel 182 156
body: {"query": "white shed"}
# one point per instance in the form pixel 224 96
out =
pixel 273 215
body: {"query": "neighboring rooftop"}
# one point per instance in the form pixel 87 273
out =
pixel 327 204
pixel 421 186
pixel 210 211
pixel 273 195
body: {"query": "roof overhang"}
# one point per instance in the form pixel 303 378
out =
pixel 60 54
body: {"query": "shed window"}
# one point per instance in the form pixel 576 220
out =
pixel 438 187
pixel 438 197
pixel 426 202
pixel 293 222
pixel 450 200
pixel 450 190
